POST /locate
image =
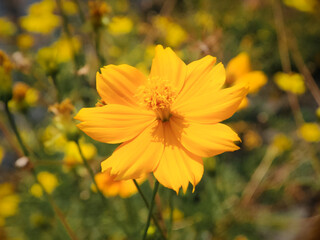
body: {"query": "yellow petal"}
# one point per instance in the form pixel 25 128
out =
pixel 212 107
pixel 202 77
pixel 118 84
pixel 114 123
pixel 204 140
pixel 138 156
pixel 244 104
pixel 167 65
pixel 177 166
pixel 255 80
pixel 238 66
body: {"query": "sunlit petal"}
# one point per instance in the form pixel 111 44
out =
pixel 205 140
pixel 138 156
pixel 114 123
pixel 178 166
pixel 119 84
pixel 167 65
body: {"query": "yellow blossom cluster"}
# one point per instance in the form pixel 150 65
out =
pixel 9 202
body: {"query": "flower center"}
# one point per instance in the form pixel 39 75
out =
pixel 158 95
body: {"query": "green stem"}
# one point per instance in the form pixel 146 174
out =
pixel 81 14
pixel 147 205
pixel 56 209
pixel 171 196
pixel 155 190
pixel 97 37
pixel 103 199
pixel 15 129
pixel 86 164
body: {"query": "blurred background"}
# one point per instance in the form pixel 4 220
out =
pixel 50 51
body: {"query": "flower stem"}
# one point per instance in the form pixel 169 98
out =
pixel 97 38
pixel 163 235
pixel 86 164
pixel 15 129
pixel 171 205
pixel 155 190
pixel 56 209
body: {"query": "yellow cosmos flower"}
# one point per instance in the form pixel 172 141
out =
pixel 9 201
pixel 302 5
pixel 72 155
pixel 48 180
pixel 239 70
pixel 168 121
pixel 174 35
pixel 40 18
pixel 7 28
pixel 120 25
pixel 110 188
pixel 290 82
pixel 310 132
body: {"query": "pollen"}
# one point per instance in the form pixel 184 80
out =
pixel 158 95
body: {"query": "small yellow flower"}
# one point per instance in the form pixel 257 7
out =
pixel 167 121
pixel 205 20
pixel 63 119
pixel 25 41
pixel 282 142
pixel 72 155
pixel 239 71
pixel 23 96
pixel 177 214
pixel 310 132
pixel 120 25
pixel 48 180
pixel 36 190
pixel 40 18
pixel 318 112
pixel 173 34
pixel 110 188
pixel 302 5
pixel 9 201
pixel 293 83
pixel 7 28
pixel 2 152
pixel 69 7
pixel 251 139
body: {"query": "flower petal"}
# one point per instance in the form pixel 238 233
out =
pixel 202 77
pixel 254 79
pixel 212 107
pixel 118 84
pixel 205 140
pixel 138 156
pixel 167 65
pixel 114 123
pixel 177 166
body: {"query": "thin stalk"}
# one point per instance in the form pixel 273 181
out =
pixel 155 190
pixel 56 209
pixel 103 199
pixel 81 14
pixel 91 173
pixel 163 235
pixel 97 38
pixel 285 58
pixel 61 216
pixel 15 129
pixel 66 29
pixel 171 196
pixel 259 174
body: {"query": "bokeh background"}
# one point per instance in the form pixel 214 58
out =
pixel 50 53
